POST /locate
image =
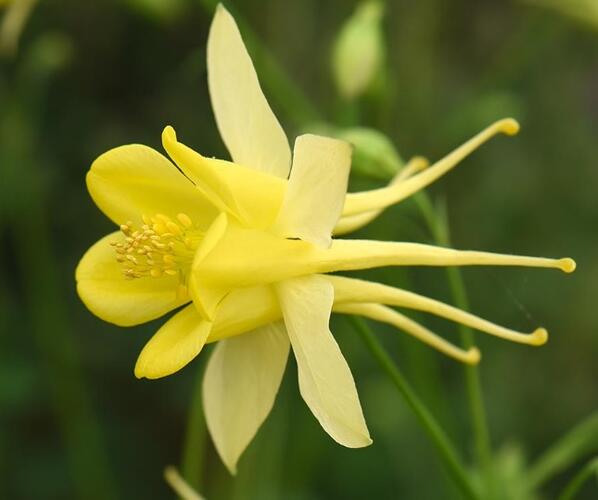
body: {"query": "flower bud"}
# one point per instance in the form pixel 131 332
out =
pixel 374 154
pixel 359 50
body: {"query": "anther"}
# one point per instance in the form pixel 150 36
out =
pixel 159 227
pixel 158 246
pixel 185 220
pixel 163 218
pixel 173 228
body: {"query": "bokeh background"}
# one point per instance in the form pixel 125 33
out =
pixel 89 76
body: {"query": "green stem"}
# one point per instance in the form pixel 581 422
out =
pixel 440 231
pixel 444 446
pixel 591 468
pixel 439 227
pixel 195 437
pixel 578 441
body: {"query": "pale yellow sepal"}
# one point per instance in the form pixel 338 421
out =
pixel 316 191
pixel 104 290
pixel 245 120
pixel 129 181
pixel 240 385
pixel 325 380
pixel 174 345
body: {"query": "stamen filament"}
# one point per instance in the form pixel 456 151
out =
pixel 351 223
pixel 378 198
pixel 385 314
pixel 349 290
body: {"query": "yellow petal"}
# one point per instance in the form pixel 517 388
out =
pixel 245 309
pixel 246 122
pixel 348 290
pixel 378 198
pixel 385 314
pixel 350 223
pixel 242 252
pixel 246 258
pixel 105 291
pixel 206 299
pixel 325 380
pixel 129 181
pixel 240 385
pixel 253 198
pixel 174 345
pixel 316 190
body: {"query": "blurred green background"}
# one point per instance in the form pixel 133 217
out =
pixel 89 76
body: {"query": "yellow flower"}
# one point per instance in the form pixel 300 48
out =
pixel 247 246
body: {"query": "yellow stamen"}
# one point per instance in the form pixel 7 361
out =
pixel 185 220
pixel 173 228
pixel 160 246
pixel 356 203
pixel 384 314
pixel 161 218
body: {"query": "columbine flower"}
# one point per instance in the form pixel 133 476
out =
pixel 246 251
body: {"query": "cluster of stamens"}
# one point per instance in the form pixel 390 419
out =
pixel 161 246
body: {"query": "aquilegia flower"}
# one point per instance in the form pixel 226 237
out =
pixel 245 247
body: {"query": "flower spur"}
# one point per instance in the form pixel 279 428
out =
pixel 246 246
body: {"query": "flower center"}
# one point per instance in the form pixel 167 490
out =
pixel 161 246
